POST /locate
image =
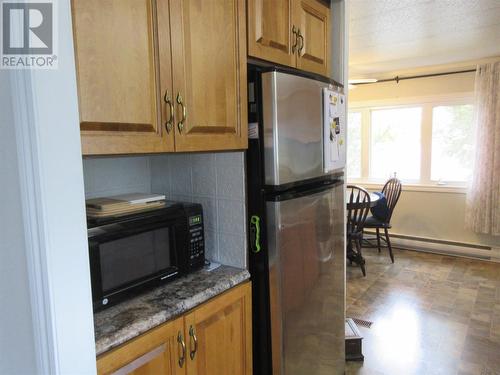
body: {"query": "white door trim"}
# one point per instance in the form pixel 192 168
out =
pixel 35 234
pixel 53 208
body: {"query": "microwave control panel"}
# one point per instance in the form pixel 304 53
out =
pixel 196 241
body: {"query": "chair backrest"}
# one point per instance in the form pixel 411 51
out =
pixel 358 206
pixel 392 191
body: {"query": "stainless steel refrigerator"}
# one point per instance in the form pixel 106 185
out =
pixel 295 188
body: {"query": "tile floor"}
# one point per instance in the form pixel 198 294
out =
pixel 432 314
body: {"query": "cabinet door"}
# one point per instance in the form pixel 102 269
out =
pixel 219 333
pixel 270 32
pixel 312 17
pixel 118 76
pixel 209 72
pixel 158 351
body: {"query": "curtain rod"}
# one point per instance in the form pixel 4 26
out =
pixel 398 78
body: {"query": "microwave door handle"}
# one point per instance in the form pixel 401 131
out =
pixel 108 236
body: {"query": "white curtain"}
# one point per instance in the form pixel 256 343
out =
pixel 483 197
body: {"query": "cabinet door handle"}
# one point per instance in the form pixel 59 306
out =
pixel 299 35
pixel 180 125
pixel 294 31
pixel 194 339
pixel 181 342
pixel 170 122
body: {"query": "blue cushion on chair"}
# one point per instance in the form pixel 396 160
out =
pixel 380 210
pixel 373 222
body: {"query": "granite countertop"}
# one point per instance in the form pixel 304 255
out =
pixel 129 319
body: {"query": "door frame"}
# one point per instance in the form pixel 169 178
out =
pixel 50 173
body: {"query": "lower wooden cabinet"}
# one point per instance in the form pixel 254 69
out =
pixel 213 339
pixel 219 335
pixel 158 351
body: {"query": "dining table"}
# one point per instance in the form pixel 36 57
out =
pixel 374 198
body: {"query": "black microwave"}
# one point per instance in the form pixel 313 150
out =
pixel 132 253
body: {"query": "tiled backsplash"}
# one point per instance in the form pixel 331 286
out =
pixel 216 180
pixel 112 176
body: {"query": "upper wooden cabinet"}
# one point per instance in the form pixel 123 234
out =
pixel 127 53
pixel 312 18
pixel 295 33
pixel 118 77
pixel 269 32
pixel 210 80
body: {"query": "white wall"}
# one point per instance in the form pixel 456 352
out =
pixel 437 215
pixel 216 180
pixel 17 354
pixel 339 40
pixel 441 85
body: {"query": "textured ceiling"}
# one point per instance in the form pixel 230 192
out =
pixel 392 35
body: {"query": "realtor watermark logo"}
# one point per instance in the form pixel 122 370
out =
pixel 28 34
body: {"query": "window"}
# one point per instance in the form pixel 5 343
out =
pixel 451 143
pixel 354 145
pixel 428 143
pixel 395 143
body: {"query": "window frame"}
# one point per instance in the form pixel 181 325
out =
pixel 361 127
pixel 427 103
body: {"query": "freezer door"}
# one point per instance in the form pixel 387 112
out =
pixel 292 108
pixel 307 283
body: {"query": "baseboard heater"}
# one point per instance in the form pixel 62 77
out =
pixel 434 245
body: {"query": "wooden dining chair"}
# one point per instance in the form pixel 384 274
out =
pixel 392 191
pixel 358 206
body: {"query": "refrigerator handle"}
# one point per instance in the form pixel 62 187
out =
pixel 255 233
